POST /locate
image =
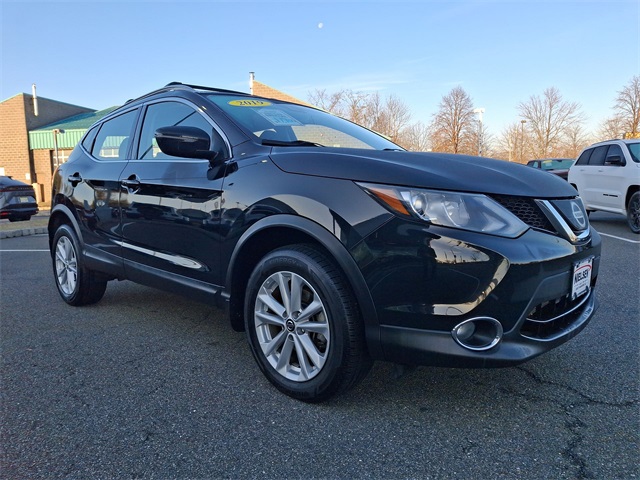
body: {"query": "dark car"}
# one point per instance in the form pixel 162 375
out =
pixel 328 244
pixel 17 200
pixel 557 166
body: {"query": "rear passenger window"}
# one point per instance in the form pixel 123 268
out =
pixel 113 139
pixel 598 155
pixel 583 159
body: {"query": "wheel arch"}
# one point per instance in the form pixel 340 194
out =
pixel 630 191
pixel 62 214
pixel 279 231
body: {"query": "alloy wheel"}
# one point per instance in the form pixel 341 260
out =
pixel 66 266
pixel 291 325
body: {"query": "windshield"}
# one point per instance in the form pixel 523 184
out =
pixel 282 124
pixel 557 164
pixel 634 149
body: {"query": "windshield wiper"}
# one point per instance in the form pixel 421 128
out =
pixel 293 143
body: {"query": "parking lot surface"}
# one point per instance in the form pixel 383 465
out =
pixel 145 384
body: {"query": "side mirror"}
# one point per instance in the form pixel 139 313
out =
pixel 614 160
pixel 188 142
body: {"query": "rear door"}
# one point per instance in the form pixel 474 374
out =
pixel 95 179
pixel 601 181
pixel 171 206
pixel 613 184
pixel 588 170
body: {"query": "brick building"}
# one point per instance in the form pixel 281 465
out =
pixel 262 90
pixel 31 146
pixel 17 158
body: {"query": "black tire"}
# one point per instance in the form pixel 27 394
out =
pixel 633 213
pixel 76 284
pixel 317 333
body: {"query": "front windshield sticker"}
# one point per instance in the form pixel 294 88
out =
pixel 278 117
pixel 249 103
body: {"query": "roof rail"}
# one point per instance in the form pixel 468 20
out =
pixel 185 86
pixel 200 87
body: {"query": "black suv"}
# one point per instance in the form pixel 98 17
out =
pixel 328 244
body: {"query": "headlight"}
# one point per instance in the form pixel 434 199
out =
pixel 466 211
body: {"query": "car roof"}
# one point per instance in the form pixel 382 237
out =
pixel 4 180
pixel 613 140
pixel 173 86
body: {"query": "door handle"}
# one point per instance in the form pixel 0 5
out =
pixel 131 182
pixel 74 179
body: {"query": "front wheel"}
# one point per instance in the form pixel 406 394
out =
pixel 633 213
pixel 76 284
pixel 303 325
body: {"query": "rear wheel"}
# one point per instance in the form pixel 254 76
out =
pixel 633 213
pixel 303 325
pixel 76 284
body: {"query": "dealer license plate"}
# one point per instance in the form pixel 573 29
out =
pixel 581 277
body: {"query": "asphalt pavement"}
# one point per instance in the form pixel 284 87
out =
pixel 146 384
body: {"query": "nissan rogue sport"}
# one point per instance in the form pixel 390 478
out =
pixel 327 244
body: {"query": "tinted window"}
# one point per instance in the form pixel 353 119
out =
pixel 170 114
pixel 615 150
pixel 87 142
pixel 271 120
pixel 556 164
pixel 584 158
pixel 598 155
pixel 634 150
pixel 112 141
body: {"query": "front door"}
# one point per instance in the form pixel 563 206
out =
pixel 170 208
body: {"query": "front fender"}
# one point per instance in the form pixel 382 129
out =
pixel 305 230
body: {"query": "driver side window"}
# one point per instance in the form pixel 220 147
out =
pixel 166 114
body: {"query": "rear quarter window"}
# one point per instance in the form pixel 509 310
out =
pixel 89 138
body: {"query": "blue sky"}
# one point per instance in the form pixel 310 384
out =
pixel 100 53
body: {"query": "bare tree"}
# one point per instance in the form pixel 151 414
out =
pixel 627 107
pixel 388 117
pixel 327 101
pixel 357 107
pixel 611 127
pixel 548 118
pixel 575 139
pixel 395 118
pixel 416 137
pixel 454 124
pixel 512 144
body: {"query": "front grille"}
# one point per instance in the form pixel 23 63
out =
pixel 551 318
pixel 526 210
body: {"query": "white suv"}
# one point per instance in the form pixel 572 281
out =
pixel 607 177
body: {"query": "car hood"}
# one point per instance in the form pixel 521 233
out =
pixel 426 170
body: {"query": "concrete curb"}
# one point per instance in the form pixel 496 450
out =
pixel 11 230
pixel 22 232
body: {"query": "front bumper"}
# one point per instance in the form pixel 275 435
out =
pixel 424 284
pixel 427 347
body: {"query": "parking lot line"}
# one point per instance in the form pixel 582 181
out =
pixel 618 238
pixel 23 250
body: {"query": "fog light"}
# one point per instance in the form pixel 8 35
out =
pixel 478 334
